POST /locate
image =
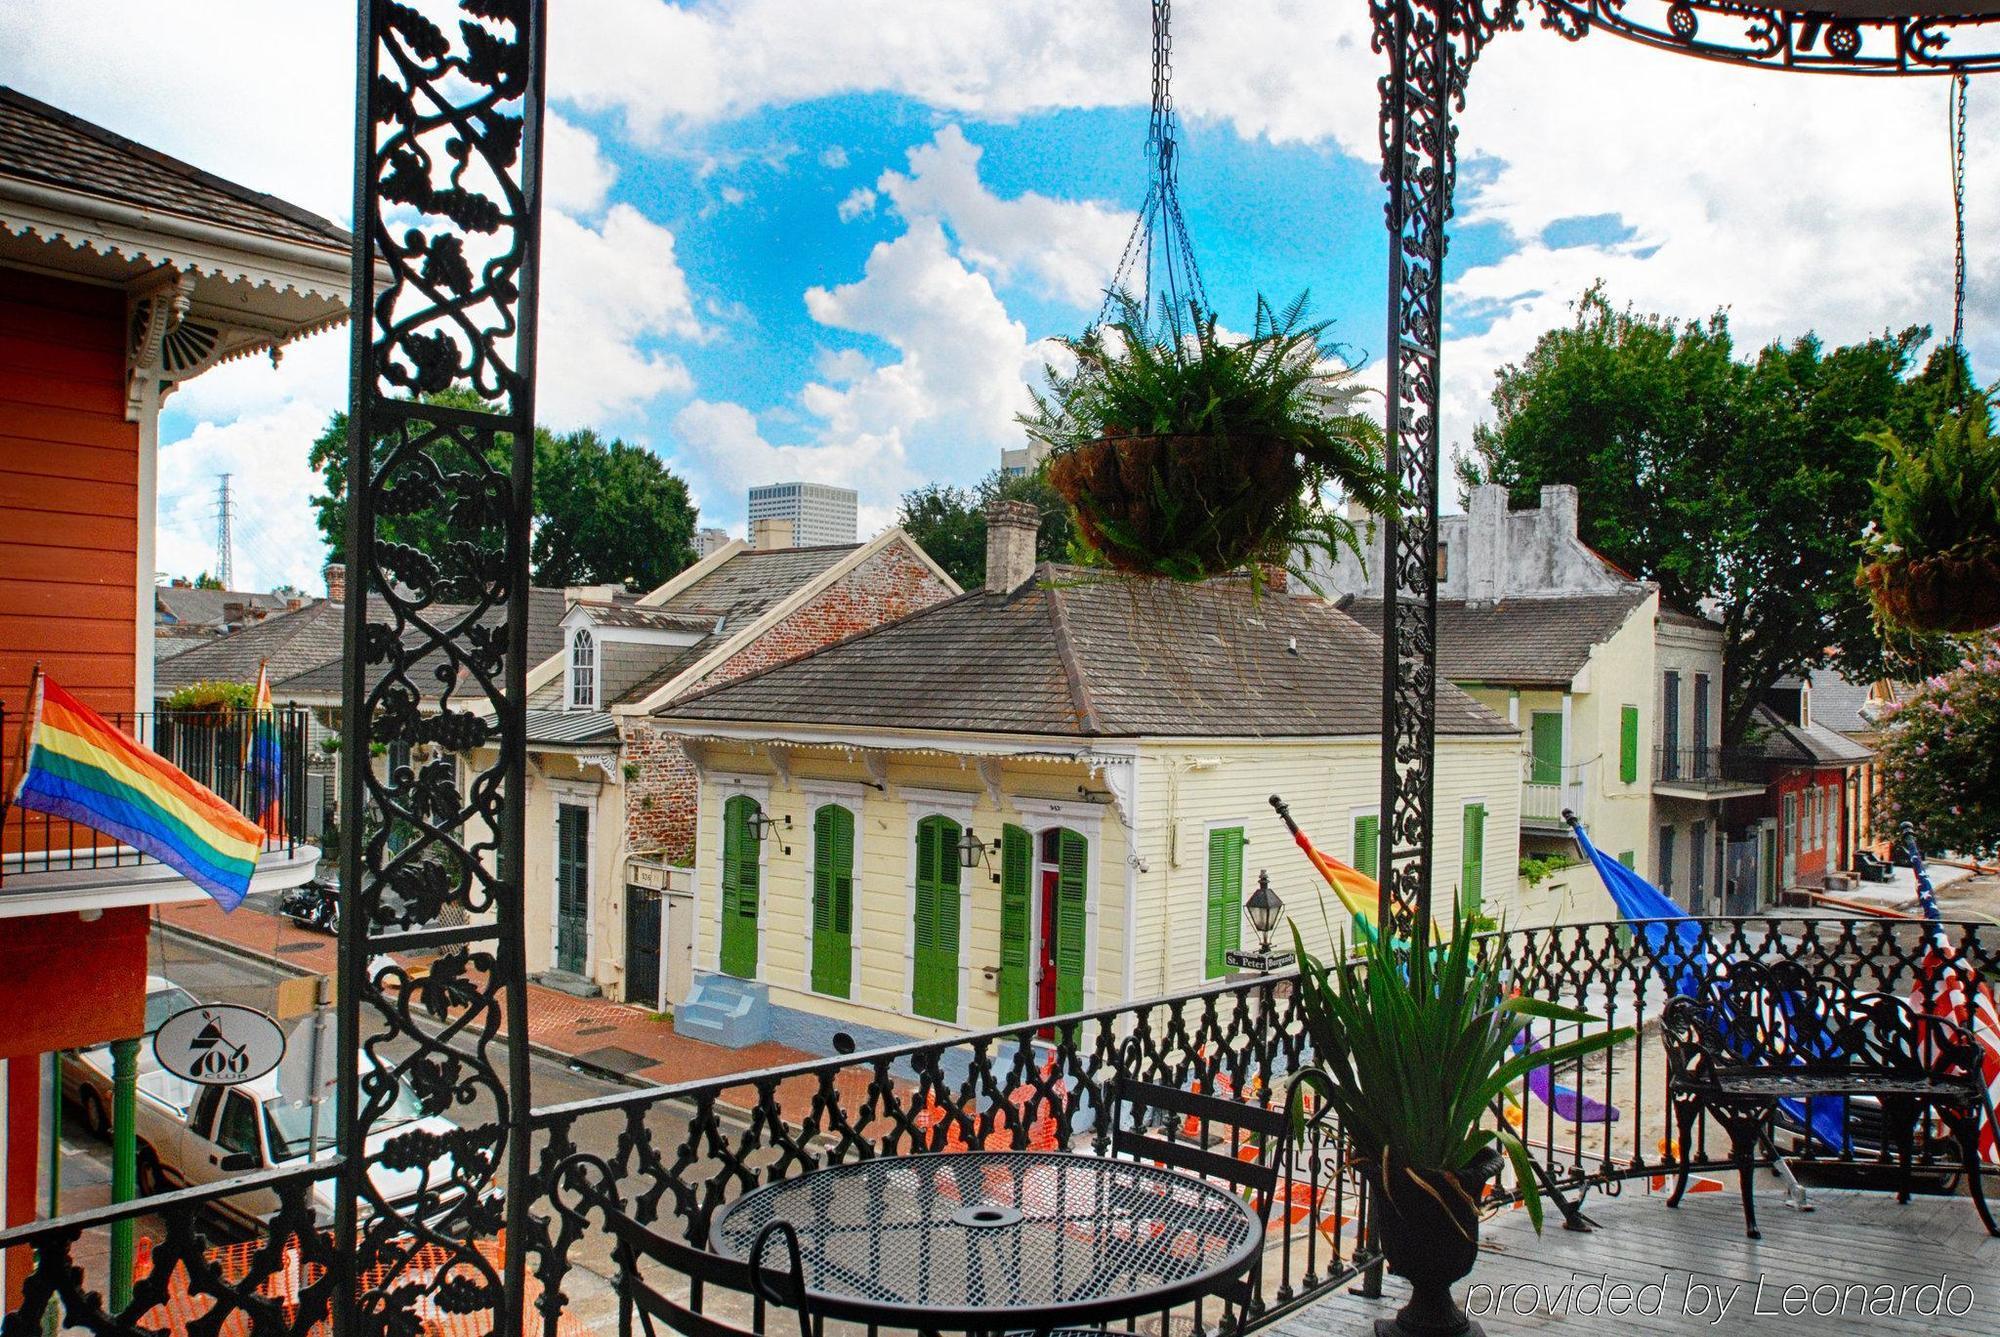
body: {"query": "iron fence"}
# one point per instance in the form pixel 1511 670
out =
pixel 678 1154
pixel 212 746
pixel 1709 767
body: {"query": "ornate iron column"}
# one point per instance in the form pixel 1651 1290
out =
pixel 446 207
pixel 1431 45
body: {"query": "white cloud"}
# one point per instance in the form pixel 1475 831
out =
pixel 1067 247
pixel 265 454
pixel 576 179
pixel 724 444
pixel 833 157
pixel 605 292
pixel 859 203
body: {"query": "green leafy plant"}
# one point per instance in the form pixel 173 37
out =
pixel 1412 1049
pixel 217 696
pixel 1932 553
pixel 1191 456
pixel 1535 867
pixel 1940 759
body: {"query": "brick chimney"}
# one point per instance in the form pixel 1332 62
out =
pixel 1482 567
pixel 1011 527
pixel 1559 504
pixel 770 533
pixel 336 582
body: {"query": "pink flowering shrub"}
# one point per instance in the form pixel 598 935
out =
pixel 1941 759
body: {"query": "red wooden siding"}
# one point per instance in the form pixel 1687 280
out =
pixel 69 496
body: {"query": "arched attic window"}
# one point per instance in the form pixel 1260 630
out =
pixel 583 670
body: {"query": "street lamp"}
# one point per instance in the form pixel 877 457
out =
pixel 762 823
pixel 1264 907
pixel 972 851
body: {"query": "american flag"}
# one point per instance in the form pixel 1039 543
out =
pixel 1946 989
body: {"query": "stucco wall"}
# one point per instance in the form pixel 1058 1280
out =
pixel 1035 794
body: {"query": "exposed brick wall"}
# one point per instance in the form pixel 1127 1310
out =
pixel 660 803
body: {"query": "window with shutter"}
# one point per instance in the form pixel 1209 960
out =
pixel 833 900
pixel 1225 896
pixel 1545 733
pixel 1017 855
pixel 1072 918
pixel 739 888
pixel 1367 843
pixel 1472 857
pixel 934 968
pixel 1628 744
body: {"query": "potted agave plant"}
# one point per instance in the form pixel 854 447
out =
pixel 1411 1052
pixel 1931 559
pixel 1186 453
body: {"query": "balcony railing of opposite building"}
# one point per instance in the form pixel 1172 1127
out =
pixel 1707 767
pixel 212 747
pixel 1545 792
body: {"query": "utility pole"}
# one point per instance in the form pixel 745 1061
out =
pixel 224 563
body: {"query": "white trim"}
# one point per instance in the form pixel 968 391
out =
pixel 950 802
pixel 569 793
pixel 783 609
pixel 851 792
pixel 1061 812
pixel 815 800
pixel 1133 860
pixel 1038 826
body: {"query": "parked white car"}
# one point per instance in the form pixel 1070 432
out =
pixel 86 1073
pixel 191 1135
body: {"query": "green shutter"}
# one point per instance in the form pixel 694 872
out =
pixel 1017 858
pixel 1225 895
pixel 1472 858
pixel 1072 918
pixel 739 888
pixel 1367 844
pixel 934 981
pixel 833 900
pixel 1628 744
pixel 1629 859
pixel 1546 738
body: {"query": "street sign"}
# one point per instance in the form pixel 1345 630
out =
pixel 307 1074
pixel 219 1044
pixel 1263 961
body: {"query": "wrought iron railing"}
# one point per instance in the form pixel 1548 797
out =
pixel 680 1153
pixel 1708 767
pixel 211 746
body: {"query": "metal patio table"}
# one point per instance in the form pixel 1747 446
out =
pixel 983 1241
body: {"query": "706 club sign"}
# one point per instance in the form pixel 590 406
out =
pixel 219 1044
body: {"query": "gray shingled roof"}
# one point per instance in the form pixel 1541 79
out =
pixel 292 642
pixel 47 145
pixel 743 587
pixel 545 613
pixel 1079 654
pixel 1801 744
pixel 186 607
pixel 1541 642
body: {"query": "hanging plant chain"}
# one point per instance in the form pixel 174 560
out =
pixel 1955 126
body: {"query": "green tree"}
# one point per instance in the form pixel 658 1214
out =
pixel 605 511
pixel 1941 760
pixel 205 581
pixel 1744 483
pixel 949 522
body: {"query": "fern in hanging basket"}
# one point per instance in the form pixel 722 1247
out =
pixel 1188 455
pixel 1931 559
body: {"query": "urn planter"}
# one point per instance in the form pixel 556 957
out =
pixel 1428 1222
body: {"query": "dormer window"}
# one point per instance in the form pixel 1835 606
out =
pixel 583 670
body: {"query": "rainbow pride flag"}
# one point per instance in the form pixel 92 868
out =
pixel 81 768
pixel 264 758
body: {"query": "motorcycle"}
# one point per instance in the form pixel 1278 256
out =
pixel 312 905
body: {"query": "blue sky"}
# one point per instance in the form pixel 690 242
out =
pixel 792 239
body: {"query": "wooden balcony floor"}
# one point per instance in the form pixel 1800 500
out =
pixel 1849 1239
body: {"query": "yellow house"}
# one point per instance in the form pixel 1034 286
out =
pixel 1048 794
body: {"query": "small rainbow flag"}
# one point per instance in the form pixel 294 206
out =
pixel 81 768
pixel 264 758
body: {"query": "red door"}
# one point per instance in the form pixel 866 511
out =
pixel 1045 947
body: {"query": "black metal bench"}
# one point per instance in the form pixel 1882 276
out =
pixel 1871 868
pixel 1769 1033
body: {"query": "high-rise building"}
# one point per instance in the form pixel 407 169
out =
pixel 819 512
pixel 1023 461
pixel 709 540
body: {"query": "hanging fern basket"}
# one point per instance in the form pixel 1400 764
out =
pixel 1955 591
pixel 1187 507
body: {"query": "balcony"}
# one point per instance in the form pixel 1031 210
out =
pixel 1543 799
pixel 48 856
pixel 679 1154
pixel 1708 773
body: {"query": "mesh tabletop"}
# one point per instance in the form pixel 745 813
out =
pixel 987 1239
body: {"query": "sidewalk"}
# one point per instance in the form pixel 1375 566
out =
pixel 610 1040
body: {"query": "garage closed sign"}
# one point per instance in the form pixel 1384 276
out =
pixel 219 1044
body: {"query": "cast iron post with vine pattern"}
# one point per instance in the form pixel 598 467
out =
pixel 1431 45
pixel 446 203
